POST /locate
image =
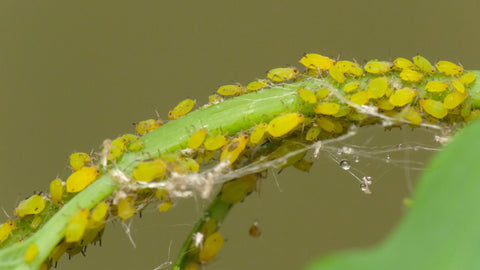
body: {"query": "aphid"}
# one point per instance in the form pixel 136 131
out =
pixel 6 229
pixel 80 179
pixel 356 71
pixel 402 97
pixel 316 61
pixel 256 85
pixel 191 266
pixel 162 194
pixel 351 86
pixel 236 190
pixel 258 133
pixel 434 108
pixel 98 215
pixel 31 253
pixel 360 98
pixel 56 191
pixel 384 104
pixel 329 108
pixel 285 123
pixel 377 87
pixel 458 85
pixel 230 90
pixel 78 160
pixel 423 64
pixel 254 230
pixel 467 78
pixel 184 107
pixel 31 206
pixel 412 115
pixel 307 95
pixel 326 124
pixel 149 170
pixel 234 149
pixel 165 206
pixel 129 138
pixel 411 75
pixel 58 251
pixel 126 208
pixel 146 126
pixel 303 165
pixel 197 138
pixel 345 66
pixel 76 226
pixel 454 99
pixel 336 74
pixel 282 74
pixel 377 67
pixel 215 142
pixel 117 147
pixel 313 133
pixel 36 222
pixel 136 146
pixel 344 110
pixel 436 86
pixel 449 68
pixel 214 99
pixel 402 63
pixel 209 227
pixel 211 247
pixel 322 92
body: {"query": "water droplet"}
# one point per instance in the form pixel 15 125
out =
pixel 387 159
pixel 356 159
pixel 345 164
pixel 347 150
pixel 363 186
pixel 367 180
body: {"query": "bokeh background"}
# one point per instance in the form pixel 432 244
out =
pixel 73 73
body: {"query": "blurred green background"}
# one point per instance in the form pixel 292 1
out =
pixel 73 73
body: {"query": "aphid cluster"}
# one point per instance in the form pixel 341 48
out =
pixel 413 92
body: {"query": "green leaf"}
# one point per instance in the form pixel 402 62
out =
pixel 442 230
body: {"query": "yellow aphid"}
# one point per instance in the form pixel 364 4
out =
pixel 384 104
pixel 411 75
pixel 402 63
pixel 76 226
pixel 215 142
pixel 187 165
pixel 326 124
pixel 360 98
pixel 313 133
pixel 322 92
pixel 303 165
pixel 211 247
pixel 33 205
pixel 282 74
pixel 423 64
pixel 454 99
pixel 336 74
pixel 467 78
pixel 472 116
pixel 458 85
pixel 236 190
pixel 377 87
pixel 449 68
pixel 6 229
pixel 377 67
pixel 31 253
pixel 412 115
pixel 146 126
pixel 184 107
pixel 56 191
pixel 136 146
pixel 129 138
pixel 162 194
pixel 117 147
pixel 436 86
pixel 285 123
pixel 338 128
pixel 98 215
pixel 434 108
pixel 80 179
pixel 191 266
pixel 209 227
pixel 402 97
pixel 234 149
pixel 316 61
pixel 36 222
pixel 351 86
pixel 344 110
pixel 197 138
pixel 214 99
pixel 345 66
pixel 126 208
pixel 78 160
pixel 356 71
pixel 165 206
pixel 256 85
pixel 307 95
pixel 230 90
pixel 149 170
pixel 258 133
pixel 326 108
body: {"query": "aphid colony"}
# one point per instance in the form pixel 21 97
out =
pixel 412 92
